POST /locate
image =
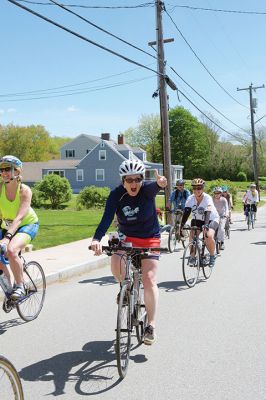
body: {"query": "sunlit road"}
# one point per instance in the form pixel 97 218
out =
pixel 211 338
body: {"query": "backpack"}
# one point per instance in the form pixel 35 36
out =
pixel 183 194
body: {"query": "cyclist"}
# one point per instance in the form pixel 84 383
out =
pixel 250 199
pixel 19 221
pixel 133 202
pixel 221 206
pixel 229 199
pixel 204 216
pixel 178 197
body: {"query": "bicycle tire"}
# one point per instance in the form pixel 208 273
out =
pixel 217 246
pixel 227 229
pixel 31 305
pixel 140 314
pixel 205 262
pixel 248 221
pixel 252 220
pixel 123 331
pixel 10 383
pixel 191 273
pixel 172 239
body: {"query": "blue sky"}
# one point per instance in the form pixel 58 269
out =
pixel 36 55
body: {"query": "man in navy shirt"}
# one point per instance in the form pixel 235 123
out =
pixel 133 203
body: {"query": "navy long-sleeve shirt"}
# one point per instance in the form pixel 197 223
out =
pixel 136 215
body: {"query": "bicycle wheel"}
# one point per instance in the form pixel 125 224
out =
pixel 191 270
pixel 172 239
pixel 205 262
pixel 34 279
pixel 184 237
pixel 217 246
pixel 227 229
pixel 248 221
pixel 10 384
pixel 140 314
pixel 123 331
pixel 252 220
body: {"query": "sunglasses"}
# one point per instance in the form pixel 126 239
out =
pixel 131 180
pixel 197 187
pixel 6 169
pixel 217 193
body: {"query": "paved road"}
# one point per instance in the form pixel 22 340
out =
pixel 211 338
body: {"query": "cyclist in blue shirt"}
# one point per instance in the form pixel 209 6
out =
pixel 133 202
pixel 178 197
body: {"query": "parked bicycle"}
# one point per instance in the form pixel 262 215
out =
pixel 174 235
pixel 131 313
pixel 196 255
pixel 10 383
pixel 28 307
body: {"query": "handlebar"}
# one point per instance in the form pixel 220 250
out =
pixel 127 249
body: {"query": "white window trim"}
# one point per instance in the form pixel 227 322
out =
pixel 103 173
pixel 73 152
pixel 82 175
pixel 104 153
pixel 52 171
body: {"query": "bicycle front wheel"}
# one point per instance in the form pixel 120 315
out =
pixel 10 384
pixel 34 279
pixel 172 240
pixel 191 264
pixel 140 314
pixel 123 331
pixel 205 262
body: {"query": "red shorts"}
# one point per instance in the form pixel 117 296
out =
pixel 146 243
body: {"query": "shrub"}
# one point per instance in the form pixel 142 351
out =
pixel 241 176
pixel 55 189
pixel 37 198
pixel 92 196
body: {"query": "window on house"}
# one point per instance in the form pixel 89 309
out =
pixel 99 174
pixel 87 151
pixel 70 153
pixel 102 144
pixel 79 174
pixel 102 154
pixel 57 172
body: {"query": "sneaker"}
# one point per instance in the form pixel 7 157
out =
pixel 18 293
pixel 212 261
pixel 222 246
pixel 149 335
pixel 6 305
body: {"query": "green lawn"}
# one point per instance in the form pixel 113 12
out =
pixel 67 225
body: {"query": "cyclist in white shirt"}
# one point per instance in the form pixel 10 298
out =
pixel 250 199
pixel 204 215
pixel 221 206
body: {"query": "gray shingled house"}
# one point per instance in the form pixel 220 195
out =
pixel 91 160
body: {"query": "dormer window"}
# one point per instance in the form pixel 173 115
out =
pixel 70 153
pixel 102 143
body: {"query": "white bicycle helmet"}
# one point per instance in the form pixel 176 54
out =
pixel 11 161
pixel 131 167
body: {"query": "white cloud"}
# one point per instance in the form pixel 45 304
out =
pixel 11 110
pixel 72 109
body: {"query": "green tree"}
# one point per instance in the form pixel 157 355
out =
pixel 147 136
pixel 55 189
pixel 92 197
pixel 188 142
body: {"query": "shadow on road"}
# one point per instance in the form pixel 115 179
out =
pixel 259 243
pixel 93 369
pixel 102 281
pixel 172 286
pixel 11 323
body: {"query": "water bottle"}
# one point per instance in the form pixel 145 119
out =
pixel 4 283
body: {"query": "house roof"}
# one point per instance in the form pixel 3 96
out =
pixel 32 171
pixel 95 139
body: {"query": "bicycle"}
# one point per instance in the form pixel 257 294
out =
pixel 227 228
pixel 10 383
pixel 174 236
pixel 250 217
pixel 131 311
pixel 196 255
pixel 30 306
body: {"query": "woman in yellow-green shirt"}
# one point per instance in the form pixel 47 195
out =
pixel 19 220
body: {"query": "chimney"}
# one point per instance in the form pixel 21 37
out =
pixel 121 139
pixel 105 136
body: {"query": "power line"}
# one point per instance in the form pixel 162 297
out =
pixel 101 29
pixel 82 37
pixel 215 123
pixel 218 10
pixel 206 101
pixel 91 7
pixel 78 91
pixel 66 86
pixel 195 54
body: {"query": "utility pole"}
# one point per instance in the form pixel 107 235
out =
pixel 163 99
pixel 253 135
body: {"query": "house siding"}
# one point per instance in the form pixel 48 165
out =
pixel 80 145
